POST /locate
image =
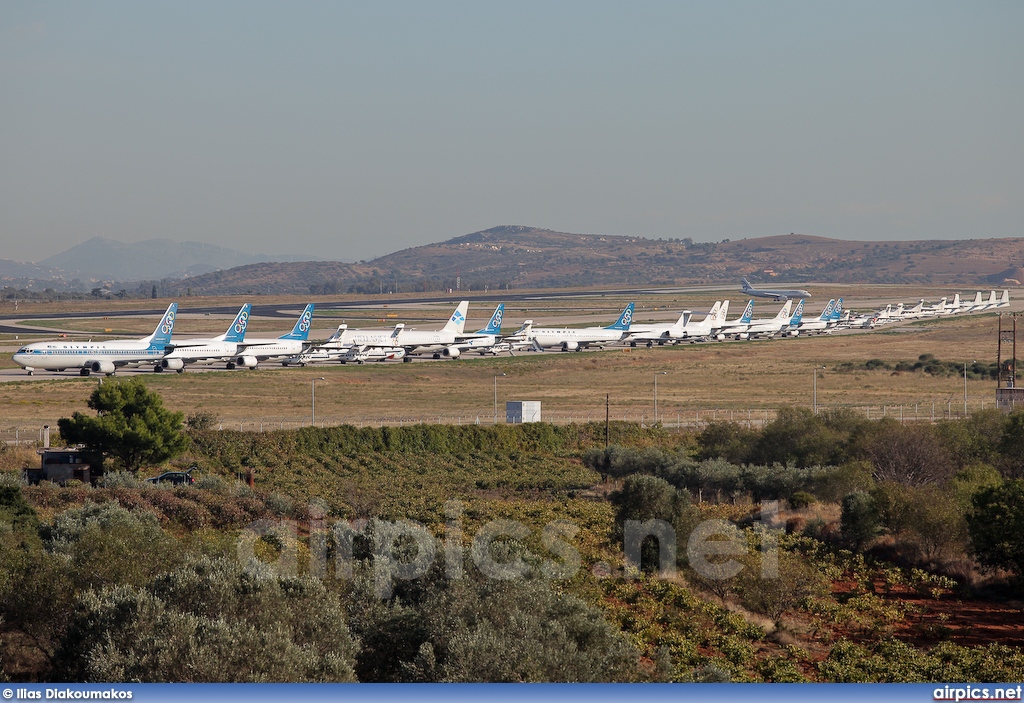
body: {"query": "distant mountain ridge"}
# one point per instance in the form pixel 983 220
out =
pixel 516 256
pixel 152 259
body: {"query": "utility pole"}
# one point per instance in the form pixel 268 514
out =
pixel 607 420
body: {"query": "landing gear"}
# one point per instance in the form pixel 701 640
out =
pixel 83 371
pixel 406 360
pixel 230 365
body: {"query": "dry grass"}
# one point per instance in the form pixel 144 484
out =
pixel 733 378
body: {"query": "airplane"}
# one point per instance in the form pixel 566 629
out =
pixel 483 341
pixel 658 333
pixel 574 339
pixel 413 341
pixel 769 328
pixel 738 325
pixel 433 342
pixel 252 351
pixel 684 328
pixel 773 294
pixel 99 357
pixel 207 350
pixel 1004 300
pixel 822 325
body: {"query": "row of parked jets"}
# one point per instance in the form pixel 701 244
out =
pixel 235 350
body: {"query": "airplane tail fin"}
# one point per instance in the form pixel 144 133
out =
pixel 956 301
pixel 161 336
pixel 837 311
pixel 457 322
pixel 748 312
pixel 713 313
pixel 992 298
pixel 236 332
pixel 397 332
pixel 1005 299
pixel 826 314
pixel 746 284
pixel 786 312
pixel 798 314
pixel 342 328
pixel 494 325
pixel 301 328
pixel 624 321
pixel 977 300
pixel 723 312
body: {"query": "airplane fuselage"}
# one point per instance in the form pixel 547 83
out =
pixel 55 356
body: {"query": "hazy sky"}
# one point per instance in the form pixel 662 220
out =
pixel 349 130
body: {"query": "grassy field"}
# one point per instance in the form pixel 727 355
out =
pixel 733 378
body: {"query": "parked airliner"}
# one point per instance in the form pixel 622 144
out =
pixel 252 351
pixel 208 350
pixel 573 339
pixel 99 357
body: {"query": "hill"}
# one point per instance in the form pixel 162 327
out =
pixel 109 259
pixel 513 256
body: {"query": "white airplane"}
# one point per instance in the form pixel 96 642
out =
pixel 574 339
pixel 820 325
pixel 1004 300
pixel 360 355
pixel 252 351
pixel 99 357
pixel 433 342
pixel 656 333
pixel 739 325
pixel 685 329
pixel 208 350
pixel 770 327
pixel 483 341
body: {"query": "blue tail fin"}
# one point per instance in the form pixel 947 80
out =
pixel 301 328
pixel 624 321
pixel 837 311
pixel 494 325
pixel 798 314
pixel 826 314
pixel 746 284
pixel 161 336
pixel 236 332
pixel 748 312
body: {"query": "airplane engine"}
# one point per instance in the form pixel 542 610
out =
pixel 570 346
pixel 794 333
pixel 720 337
pixel 172 364
pixel 451 352
pixel 102 367
pixel 743 335
pixel 248 362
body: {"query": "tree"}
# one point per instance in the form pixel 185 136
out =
pixel 132 426
pixel 997 526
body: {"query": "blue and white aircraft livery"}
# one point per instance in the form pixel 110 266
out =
pixel 208 350
pixel 252 351
pixel 483 341
pixel 573 339
pixel 99 357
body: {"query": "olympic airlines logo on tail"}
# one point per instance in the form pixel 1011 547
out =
pixel 242 322
pixel 305 322
pixel 627 317
pixel 496 318
pixel 168 322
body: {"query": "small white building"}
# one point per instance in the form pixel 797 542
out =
pixel 522 411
